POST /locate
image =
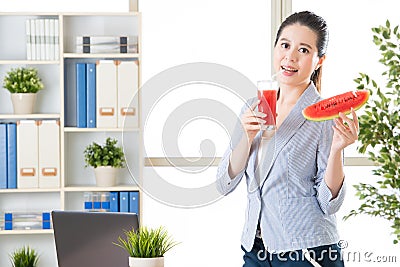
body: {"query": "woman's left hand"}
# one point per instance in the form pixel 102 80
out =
pixel 345 131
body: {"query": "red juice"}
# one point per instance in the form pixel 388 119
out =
pixel 267 105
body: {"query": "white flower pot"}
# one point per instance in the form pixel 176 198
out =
pixel 23 103
pixel 146 262
pixel 105 176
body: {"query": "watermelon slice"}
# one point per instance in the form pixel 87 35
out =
pixel 329 108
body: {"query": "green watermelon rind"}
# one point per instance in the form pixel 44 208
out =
pixel 365 93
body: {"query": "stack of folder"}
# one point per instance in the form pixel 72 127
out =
pixel 125 201
pixel 30 154
pixel 97 201
pixel 105 94
pixel 38 154
pixel 106 44
pixel 27 220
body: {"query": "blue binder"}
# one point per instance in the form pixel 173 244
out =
pixel 8 221
pixel 3 156
pixel 91 94
pixel 46 222
pixel 134 202
pixel 81 95
pixel 124 201
pixel 114 201
pixel 11 155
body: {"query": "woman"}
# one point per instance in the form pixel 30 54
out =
pixel 295 180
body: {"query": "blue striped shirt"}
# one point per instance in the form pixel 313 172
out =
pixel 290 199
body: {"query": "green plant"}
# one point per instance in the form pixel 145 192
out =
pixel 380 133
pixel 24 257
pixel 107 155
pixel 22 80
pixel 146 243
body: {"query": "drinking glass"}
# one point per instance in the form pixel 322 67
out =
pixel 267 94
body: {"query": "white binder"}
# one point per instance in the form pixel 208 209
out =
pixel 49 154
pixel 127 93
pixel 106 95
pixel 27 154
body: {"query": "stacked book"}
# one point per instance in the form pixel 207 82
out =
pixel 27 220
pixel 106 44
pixel 42 39
pixel 30 154
pixel 112 201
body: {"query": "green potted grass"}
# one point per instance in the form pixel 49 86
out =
pixel 24 257
pixel 106 160
pixel 146 247
pixel 23 84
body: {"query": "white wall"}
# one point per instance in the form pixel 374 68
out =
pixel 232 33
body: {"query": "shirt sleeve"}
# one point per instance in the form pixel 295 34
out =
pixel 225 183
pixel 324 195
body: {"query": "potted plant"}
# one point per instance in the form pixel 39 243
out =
pixel 23 84
pixel 380 133
pixel 146 247
pixel 24 257
pixel 105 160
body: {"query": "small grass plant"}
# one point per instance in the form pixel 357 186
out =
pixel 24 257
pixel 146 242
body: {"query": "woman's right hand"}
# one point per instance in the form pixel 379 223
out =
pixel 252 122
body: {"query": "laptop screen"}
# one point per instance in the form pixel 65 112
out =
pixel 86 238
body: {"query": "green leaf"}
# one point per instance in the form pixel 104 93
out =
pixel 386 35
pixel 387 23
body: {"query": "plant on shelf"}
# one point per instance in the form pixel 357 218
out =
pixel 380 133
pixel 24 257
pixel 105 159
pixel 146 247
pixel 23 84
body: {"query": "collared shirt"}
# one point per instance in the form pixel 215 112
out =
pixel 289 198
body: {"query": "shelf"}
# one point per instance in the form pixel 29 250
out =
pixel 29 14
pixel 111 56
pixel 97 14
pixel 27 232
pixel 33 14
pixel 91 130
pixel 29 190
pixel 59 100
pixel 29 62
pixel 92 188
pixel 29 116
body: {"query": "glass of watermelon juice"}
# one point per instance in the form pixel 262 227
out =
pixel 267 94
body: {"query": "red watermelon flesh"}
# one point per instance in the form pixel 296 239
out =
pixel 329 108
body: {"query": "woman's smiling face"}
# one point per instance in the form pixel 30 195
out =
pixel 296 55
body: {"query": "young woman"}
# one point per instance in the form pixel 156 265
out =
pixel 295 178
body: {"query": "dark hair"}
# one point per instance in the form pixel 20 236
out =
pixel 318 25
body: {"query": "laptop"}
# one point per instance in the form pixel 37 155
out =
pixel 86 238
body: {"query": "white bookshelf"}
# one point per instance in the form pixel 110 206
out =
pixel 75 179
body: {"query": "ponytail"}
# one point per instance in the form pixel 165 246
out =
pixel 316 78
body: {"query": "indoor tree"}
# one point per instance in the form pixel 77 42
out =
pixel 380 133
